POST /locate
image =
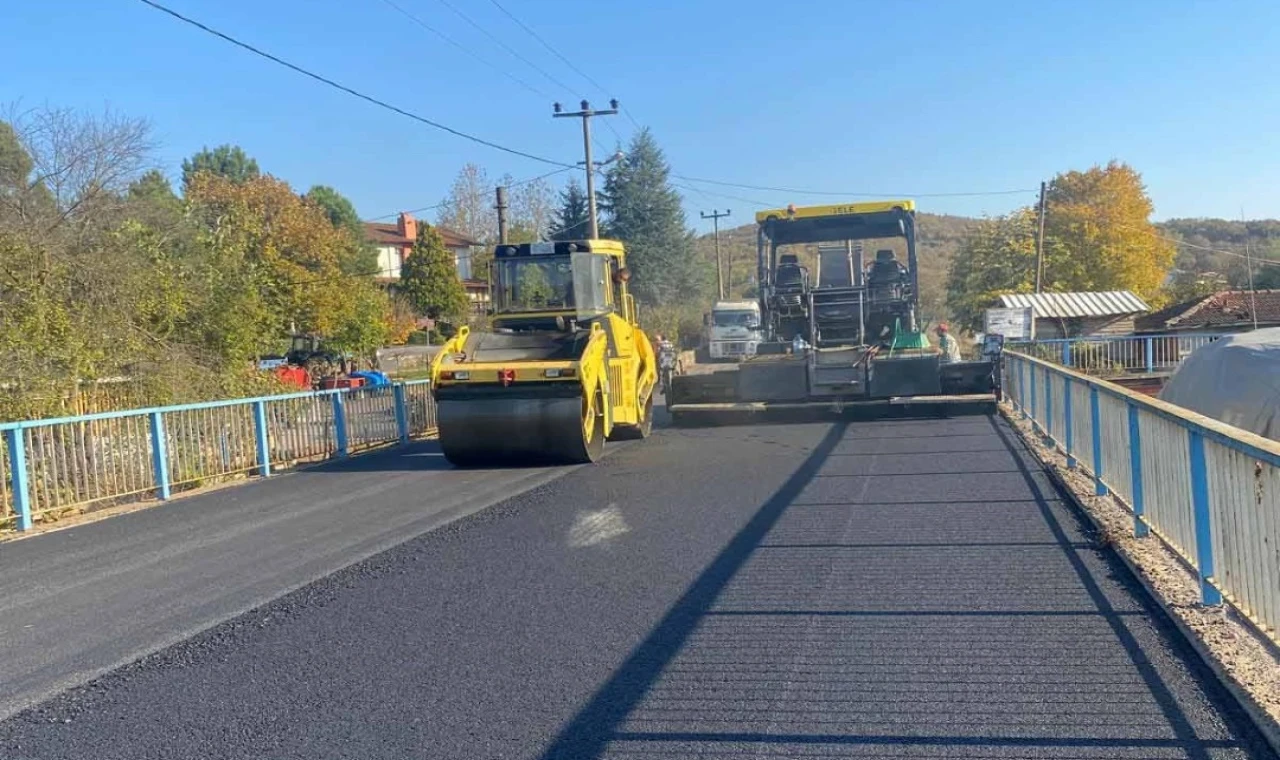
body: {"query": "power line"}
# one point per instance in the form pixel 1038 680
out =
pixel 466 49
pixel 796 191
pixel 348 90
pixel 446 203
pixel 567 61
pixel 705 193
pixel 410 211
pixel 1184 244
pixel 497 40
pixel 632 119
pixel 603 90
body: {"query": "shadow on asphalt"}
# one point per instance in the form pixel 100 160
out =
pixel 589 733
pixel 1187 741
pixel 614 721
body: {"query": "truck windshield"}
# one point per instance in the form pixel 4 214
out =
pixel 544 283
pixel 735 318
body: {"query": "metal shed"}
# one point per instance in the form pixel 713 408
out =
pixel 1071 315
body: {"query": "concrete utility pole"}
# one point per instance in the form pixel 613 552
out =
pixel 1248 260
pixel 1040 241
pixel 502 215
pixel 715 216
pixel 585 114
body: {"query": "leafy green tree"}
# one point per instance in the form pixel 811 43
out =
pixel 363 255
pixel 150 200
pixel 336 206
pixel 998 256
pixel 1267 277
pixel 17 201
pixel 429 278
pixel 646 214
pixel 229 161
pixel 153 188
pixel 273 264
pixel 570 221
pixel 15 164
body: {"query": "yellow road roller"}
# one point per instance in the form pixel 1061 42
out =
pixel 564 367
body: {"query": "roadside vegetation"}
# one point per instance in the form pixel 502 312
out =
pixel 108 272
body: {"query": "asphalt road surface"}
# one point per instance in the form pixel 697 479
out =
pixel 862 589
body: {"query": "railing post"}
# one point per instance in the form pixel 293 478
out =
pixel 1135 468
pixel 1066 353
pixel 160 455
pixel 340 423
pixel 1069 433
pixel 262 437
pixel 1022 388
pixel 1095 430
pixel 1200 508
pixel 1151 355
pixel 402 413
pixel 1048 408
pixel 1035 421
pixel 17 445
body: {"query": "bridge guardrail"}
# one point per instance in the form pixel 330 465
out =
pixel 1209 491
pixel 1117 355
pixel 50 466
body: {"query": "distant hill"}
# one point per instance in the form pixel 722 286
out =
pixel 940 236
pixel 1228 240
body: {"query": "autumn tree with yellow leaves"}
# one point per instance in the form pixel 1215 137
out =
pixel 1098 236
pixel 278 264
pixel 106 272
pixel 1099 222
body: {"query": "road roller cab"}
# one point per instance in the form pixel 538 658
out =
pixel 563 368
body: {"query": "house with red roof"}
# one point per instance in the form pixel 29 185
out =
pixel 395 240
pixel 1226 311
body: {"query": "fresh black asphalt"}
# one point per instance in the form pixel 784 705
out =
pixel 906 588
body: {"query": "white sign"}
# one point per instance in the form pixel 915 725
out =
pixel 1013 324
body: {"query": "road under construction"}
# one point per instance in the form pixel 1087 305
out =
pixel 879 588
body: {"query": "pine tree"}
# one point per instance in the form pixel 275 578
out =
pixel 228 161
pixel 646 214
pixel 429 278
pixel 570 222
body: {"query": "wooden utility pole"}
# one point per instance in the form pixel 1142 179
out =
pixel 715 216
pixel 502 215
pixel 1040 241
pixel 585 114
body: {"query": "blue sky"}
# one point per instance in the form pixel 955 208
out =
pixel 931 97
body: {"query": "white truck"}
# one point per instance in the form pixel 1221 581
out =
pixel 734 330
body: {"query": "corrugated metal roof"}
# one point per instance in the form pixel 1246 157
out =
pixel 1057 305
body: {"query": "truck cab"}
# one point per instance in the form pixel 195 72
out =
pixel 734 330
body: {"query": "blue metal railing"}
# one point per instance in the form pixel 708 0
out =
pixel 1117 355
pixel 54 466
pixel 1209 491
